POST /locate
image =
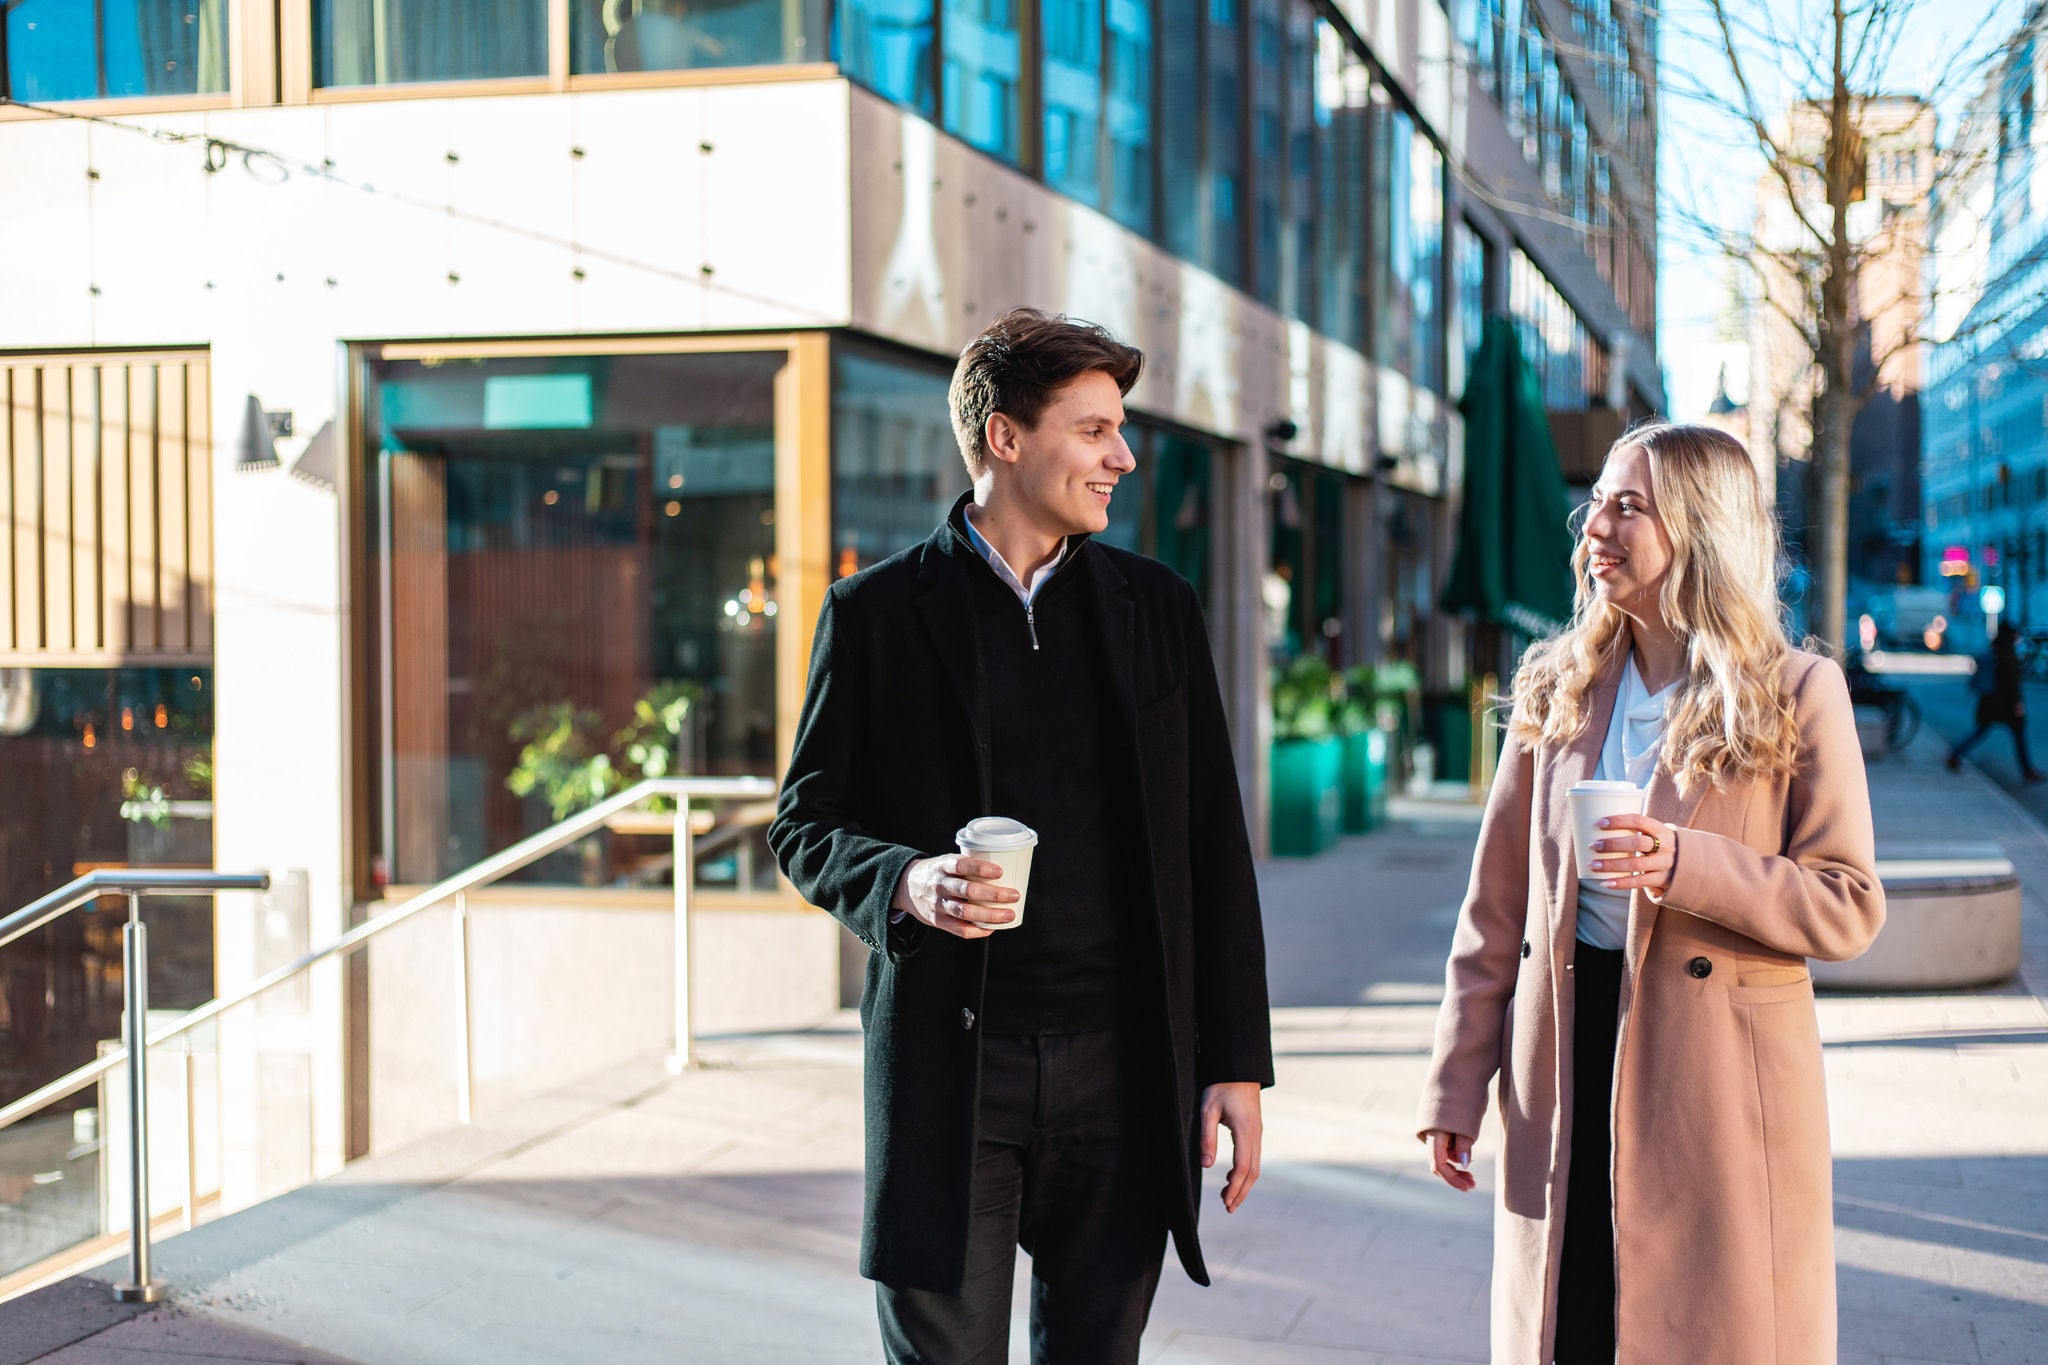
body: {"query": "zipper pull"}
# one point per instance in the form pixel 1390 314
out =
pixel 1031 624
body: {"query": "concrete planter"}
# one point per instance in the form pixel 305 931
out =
pixel 1952 919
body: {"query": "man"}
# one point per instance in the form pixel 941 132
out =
pixel 1056 1084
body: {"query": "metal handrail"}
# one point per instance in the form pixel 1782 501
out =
pixel 499 865
pixel 135 883
pixel 138 880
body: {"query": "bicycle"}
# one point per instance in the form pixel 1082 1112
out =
pixel 2032 648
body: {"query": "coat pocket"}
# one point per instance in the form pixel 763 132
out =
pixel 1778 994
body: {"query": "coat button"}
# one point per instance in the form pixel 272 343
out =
pixel 1525 947
pixel 1700 967
pixel 966 1017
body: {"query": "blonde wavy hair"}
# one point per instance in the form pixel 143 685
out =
pixel 1729 717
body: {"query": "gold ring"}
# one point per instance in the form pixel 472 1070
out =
pixel 1656 843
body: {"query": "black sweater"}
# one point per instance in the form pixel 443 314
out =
pixel 1057 767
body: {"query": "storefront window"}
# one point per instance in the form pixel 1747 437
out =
pixel 1304 585
pixel 57 50
pixel 886 45
pixel 983 82
pixel 575 578
pixel 1468 286
pixel 396 42
pixel 1163 507
pixel 896 467
pixel 677 35
pixel 106 768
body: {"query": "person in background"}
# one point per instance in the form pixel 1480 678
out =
pixel 2001 703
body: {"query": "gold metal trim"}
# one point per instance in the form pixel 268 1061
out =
pixel 713 75
pixel 523 347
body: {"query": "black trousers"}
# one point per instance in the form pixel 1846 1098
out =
pixel 1985 724
pixel 1585 1279
pixel 1061 1170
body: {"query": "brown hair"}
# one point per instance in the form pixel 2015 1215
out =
pixel 1018 363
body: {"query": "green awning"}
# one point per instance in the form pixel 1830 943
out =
pixel 1513 566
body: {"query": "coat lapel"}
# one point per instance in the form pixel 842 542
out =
pixel 1668 805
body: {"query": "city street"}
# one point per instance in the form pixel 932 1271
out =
pixel 714 1217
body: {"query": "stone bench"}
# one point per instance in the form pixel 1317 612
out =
pixel 1952 919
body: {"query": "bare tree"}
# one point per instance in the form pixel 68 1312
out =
pixel 1840 269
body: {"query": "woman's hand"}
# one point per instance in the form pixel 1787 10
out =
pixel 1640 853
pixel 1450 1157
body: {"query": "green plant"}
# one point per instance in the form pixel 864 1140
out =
pixel 1357 702
pixel 560 756
pixel 145 802
pixel 1304 699
pixel 560 760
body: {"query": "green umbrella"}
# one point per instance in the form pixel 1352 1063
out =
pixel 1513 566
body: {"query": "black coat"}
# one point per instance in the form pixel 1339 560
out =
pixel 889 763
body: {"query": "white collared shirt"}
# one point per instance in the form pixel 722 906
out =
pixel 1635 738
pixel 1025 591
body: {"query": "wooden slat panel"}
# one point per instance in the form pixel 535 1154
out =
pixel 419 663
pixel 145 621
pixel 118 570
pixel 24 414
pixel 87 629
pixel 199 500
pixel 173 557
pixel 56 429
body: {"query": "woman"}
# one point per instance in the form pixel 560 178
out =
pixel 1657 1027
pixel 2003 703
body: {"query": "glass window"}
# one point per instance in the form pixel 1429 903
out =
pixel 576 585
pixel 982 89
pixel 1298 282
pixel 393 42
pixel 896 467
pixel 886 45
pixel 1343 112
pixel 1468 272
pixel 56 50
pixel 1227 208
pixel 1073 97
pixel 676 35
pixel 1304 587
pixel 1130 113
pixel 1269 158
pixel 1408 208
pixel 1163 507
pixel 1180 127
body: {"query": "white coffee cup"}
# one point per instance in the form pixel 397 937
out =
pixel 1007 843
pixel 1593 801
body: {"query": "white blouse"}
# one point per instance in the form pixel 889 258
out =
pixel 1635 737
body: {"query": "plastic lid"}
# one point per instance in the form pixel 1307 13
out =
pixel 996 831
pixel 1593 784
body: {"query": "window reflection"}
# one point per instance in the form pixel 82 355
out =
pixel 56 50
pixel 1073 97
pixel 886 45
pixel 393 42
pixel 982 85
pixel 674 35
pixel 1130 113
pixel 896 468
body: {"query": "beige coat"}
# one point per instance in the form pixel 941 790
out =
pixel 1724 1236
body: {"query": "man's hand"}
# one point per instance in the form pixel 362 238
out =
pixel 956 893
pixel 1450 1158
pixel 1234 1104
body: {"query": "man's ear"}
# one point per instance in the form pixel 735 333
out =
pixel 999 437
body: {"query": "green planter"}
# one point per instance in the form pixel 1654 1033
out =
pixel 1447 724
pixel 1362 781
pixel 1306 804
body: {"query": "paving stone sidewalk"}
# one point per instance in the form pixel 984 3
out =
pixel 714 1217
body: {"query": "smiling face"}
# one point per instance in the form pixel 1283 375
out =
pixel 1624 535
pixel 1063 471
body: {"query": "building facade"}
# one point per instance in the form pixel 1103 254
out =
pixel 449 389
pixel 1985 457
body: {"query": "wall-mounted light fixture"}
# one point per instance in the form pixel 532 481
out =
pixel 256 446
